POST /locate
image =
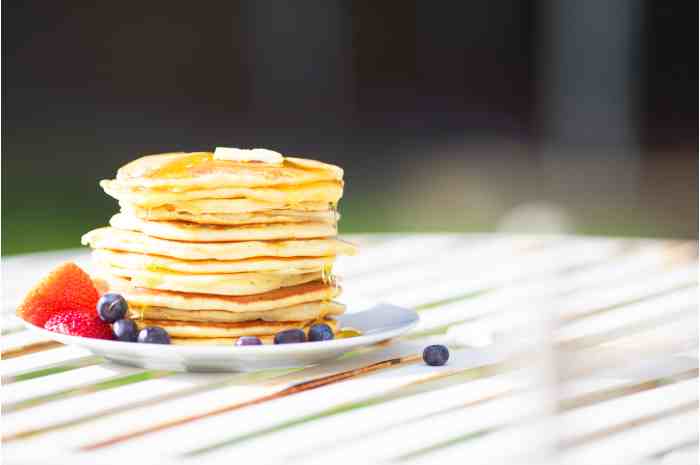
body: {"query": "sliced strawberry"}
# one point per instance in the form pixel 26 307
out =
pixel 66 287
pixel 79 323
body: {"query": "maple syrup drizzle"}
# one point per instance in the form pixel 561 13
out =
pixel 181 166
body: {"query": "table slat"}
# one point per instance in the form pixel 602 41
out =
pixel 583 349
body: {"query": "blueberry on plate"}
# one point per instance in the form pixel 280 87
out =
pixel 154 335
pixel 248 341
pixel 112 307
pixel 290 336
pixel 320 332
pixel 436 355
pixel 125 330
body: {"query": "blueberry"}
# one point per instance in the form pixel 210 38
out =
pixel 436 355
pixel 154 335
pixel 111 307
pixel 248 341
pixel 320 332
pixel 125 330
pixel 290 336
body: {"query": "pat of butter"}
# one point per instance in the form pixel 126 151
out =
pixel 244 155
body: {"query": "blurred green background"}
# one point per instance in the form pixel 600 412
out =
pixel 471 116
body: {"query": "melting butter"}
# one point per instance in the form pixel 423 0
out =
pixel 248 155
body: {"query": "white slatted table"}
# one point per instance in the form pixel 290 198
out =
pixel 563 350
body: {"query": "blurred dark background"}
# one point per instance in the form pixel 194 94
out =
pixel 463 116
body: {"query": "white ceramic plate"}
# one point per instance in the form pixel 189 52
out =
pixel 377 324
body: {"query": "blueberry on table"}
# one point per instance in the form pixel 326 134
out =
pixel 154 335
pixel 111 307
pixel 320 332
pixel 436 355
pixel 290 336
pixel 248 341
pixel 125 330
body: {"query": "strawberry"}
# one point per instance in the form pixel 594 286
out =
pixel 66 287
pixel 76 322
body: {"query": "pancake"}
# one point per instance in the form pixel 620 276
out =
pixel 193 232
pixel 292 265
pixel 200 170
pixel 215 341
pixel 279 298
pixel 132 241
pixel 323 192
pixel 305 311
pixel 266 339
pixel 271 216
pixel 219 284
pixel 193 329
pixel 213 247
pixel 231 206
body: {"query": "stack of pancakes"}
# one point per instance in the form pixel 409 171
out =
pixel 211 248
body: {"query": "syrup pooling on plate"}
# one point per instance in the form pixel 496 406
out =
pixel 348 332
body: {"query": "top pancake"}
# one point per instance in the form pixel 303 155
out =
pixel 200 170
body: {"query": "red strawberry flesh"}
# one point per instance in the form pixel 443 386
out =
pixel 67 287
pixel 79 323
